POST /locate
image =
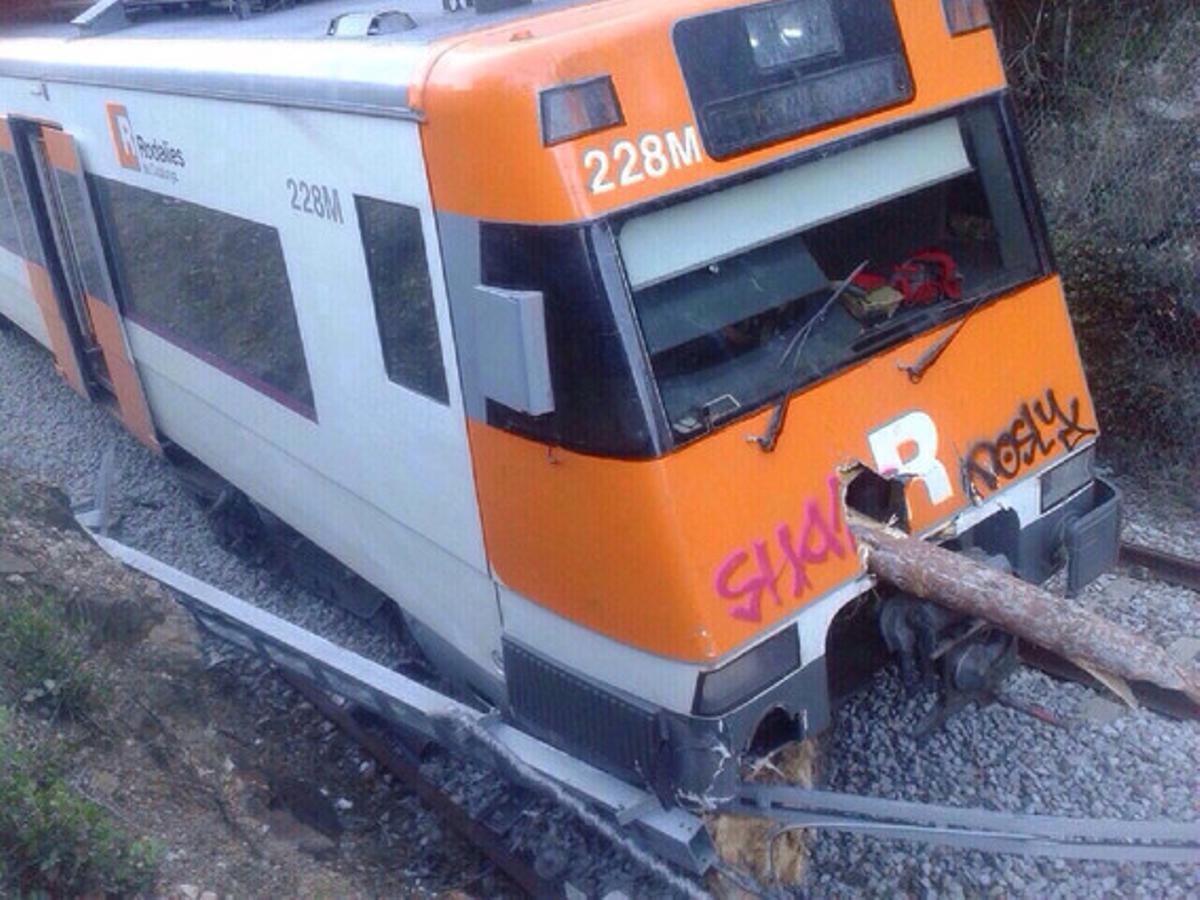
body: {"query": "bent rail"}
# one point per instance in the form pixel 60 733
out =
pixel 975 829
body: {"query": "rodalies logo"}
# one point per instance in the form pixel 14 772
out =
pixel 150 156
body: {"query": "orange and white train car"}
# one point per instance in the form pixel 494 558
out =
pixel 569 325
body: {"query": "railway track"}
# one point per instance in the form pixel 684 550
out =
pixel 1166 567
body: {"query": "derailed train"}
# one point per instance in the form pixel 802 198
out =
pixel 570 327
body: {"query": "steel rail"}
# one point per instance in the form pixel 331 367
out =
pixel 1172 704
pixel 1166 566
pixel 472 830
pixel 999 832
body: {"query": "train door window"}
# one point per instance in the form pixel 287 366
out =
pixel 10 235
pixel 26 226
pixel 78 220
pixel 211 283
pixel 400 285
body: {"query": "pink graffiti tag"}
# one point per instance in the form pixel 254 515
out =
pixel 821 534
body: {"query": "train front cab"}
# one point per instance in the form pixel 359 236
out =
pixel 685 347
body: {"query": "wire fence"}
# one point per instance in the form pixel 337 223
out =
pixel 1108 92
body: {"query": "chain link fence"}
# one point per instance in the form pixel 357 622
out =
pixel 1108 92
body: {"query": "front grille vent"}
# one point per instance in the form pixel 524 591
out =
pixel 610 732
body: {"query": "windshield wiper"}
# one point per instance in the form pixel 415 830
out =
pixel 801 338
pixel 769 438
pixel 916 370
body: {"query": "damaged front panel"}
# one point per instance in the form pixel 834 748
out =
pixel 689 759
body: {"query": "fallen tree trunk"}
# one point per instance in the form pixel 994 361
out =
pixel 1022 609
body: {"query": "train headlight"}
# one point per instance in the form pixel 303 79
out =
pixel 966 15
pixel 784 34
pixel 723 689
pixel 579 108
pixel 1066 478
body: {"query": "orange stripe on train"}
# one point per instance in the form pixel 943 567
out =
pixel 60 339
pixel 131 402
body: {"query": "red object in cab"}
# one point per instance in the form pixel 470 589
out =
pixel 925 277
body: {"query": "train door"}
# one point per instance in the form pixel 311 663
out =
pixel 75 289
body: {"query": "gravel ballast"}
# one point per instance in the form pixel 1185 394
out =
pixel 1135 764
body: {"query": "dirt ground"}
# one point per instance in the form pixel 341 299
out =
pixel 246 791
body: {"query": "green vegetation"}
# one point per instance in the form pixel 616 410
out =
pixel 44 657
pixel 55 842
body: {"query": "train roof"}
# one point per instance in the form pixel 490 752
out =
pixel 307 20
pixel 283 57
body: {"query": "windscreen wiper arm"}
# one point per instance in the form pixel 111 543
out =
pixel 797 343
pixel 769 438
pixel 916 370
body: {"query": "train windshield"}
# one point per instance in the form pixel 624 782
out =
pixel 757 289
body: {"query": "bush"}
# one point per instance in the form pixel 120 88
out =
pixel 45 656
pixel 1107 94
pixel 56 842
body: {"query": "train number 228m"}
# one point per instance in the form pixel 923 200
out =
pixel 316 200
pixel 652 156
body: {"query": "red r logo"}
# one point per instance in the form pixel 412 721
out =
pixel 122 137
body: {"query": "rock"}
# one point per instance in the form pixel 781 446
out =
pixel 322 850
pixel 1184 650
pixel 105 783
pixel 1121 589
pixel 190 891
pixel 551 863
pixel 307 803
pixel 12 564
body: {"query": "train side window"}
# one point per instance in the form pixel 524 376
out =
pixel 211 283
pixel 400 286
pixel 10 236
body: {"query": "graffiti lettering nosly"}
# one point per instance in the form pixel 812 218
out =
pixel 1036 432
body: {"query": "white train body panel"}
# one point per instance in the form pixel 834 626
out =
pixel 16 299
pixel 382 478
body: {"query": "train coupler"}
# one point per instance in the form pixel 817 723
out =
pixel 965 659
